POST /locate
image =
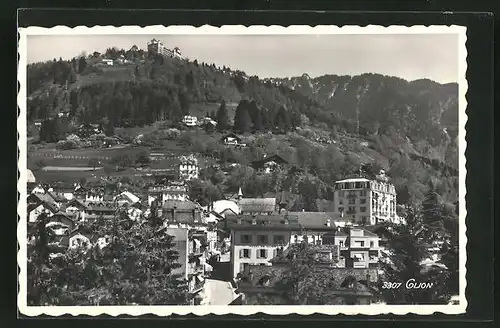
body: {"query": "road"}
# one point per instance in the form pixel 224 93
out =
pixel 217 292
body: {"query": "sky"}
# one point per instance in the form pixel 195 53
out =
pixel 408 56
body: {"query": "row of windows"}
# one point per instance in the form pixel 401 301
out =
pixel 361 193
pixel 246 253
pixel 352 209
pixel 352 185
pixel 353 201
pixel 262 239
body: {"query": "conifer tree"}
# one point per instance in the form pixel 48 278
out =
pixel 222 117
pixel 242 120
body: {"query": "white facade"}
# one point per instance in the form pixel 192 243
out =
pixel 188 168
pixel 190 120
pixel 108 62
pixel 35 213
pixel 91 197
pixel 167 193
pixel 79 241
pixel 365 201
pixel 256 247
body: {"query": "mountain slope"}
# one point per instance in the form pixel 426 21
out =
pixel 416 120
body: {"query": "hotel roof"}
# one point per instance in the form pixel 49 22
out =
pixel 353 180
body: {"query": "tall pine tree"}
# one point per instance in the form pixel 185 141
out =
pixel 222 117
pixel 242 120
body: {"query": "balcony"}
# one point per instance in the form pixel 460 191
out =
pixel 359 264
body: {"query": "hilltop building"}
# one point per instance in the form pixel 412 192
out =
pixel 157 47
pixel 365 202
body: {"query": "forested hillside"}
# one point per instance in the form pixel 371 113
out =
pixel 410 126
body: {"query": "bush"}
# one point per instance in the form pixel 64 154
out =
pixel 66 145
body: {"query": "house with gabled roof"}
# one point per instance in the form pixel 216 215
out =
pixel 40 203
pixel 270 164
pixel 126 197
pixel 63 219
pixel 79 238
pixel 185 213
pixel 231 139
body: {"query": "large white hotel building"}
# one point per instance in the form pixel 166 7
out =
pixel 365 202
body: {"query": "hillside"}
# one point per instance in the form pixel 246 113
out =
pixel 403 126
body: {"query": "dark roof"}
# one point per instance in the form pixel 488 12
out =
pixel 101 206
pixel 314 220
pixel 188 217
pixel 257 204
pixel 78 203
pixel 231 135
pixel 57 197
pixel 45 199
pixel 262 222
pixel 62 186
pixel 178 205
pixel 274 158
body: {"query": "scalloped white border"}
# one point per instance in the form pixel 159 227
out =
pixel 240 310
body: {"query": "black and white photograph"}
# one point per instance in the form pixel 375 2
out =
pixel 233 169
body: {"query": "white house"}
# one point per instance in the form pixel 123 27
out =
pixel 108 62
pixel 78 240
pixel 189 120
pixel 126 197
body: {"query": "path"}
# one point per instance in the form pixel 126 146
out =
pixel 217 292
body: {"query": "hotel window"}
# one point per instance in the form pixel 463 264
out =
pixel 363 193
pixel 279 239
pixel 363 209
pixel 262 254
pixel 341 202
pixel 244 253
pixel 362 200
pixel 372 244
pixel 262 239
pixel 358 185
pixel 341 243
pixel 341 209
pixel 246 239
pixel 352 201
